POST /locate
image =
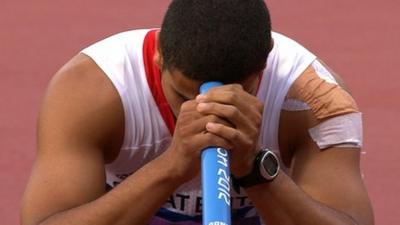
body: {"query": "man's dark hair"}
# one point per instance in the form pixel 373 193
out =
pixel 224 40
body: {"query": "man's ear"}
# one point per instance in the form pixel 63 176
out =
pixel 158 59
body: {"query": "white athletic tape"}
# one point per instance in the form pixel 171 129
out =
pixel 341 131
pixel 292 104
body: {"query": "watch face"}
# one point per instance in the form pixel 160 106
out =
pixel 270 164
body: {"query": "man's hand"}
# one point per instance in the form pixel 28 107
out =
pixel 244 112
pixel 190 138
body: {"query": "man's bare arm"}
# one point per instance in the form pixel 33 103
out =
pixel 325 187
pixel 80 121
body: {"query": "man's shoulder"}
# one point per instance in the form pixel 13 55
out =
pixel 83 85
pixel 82 103
pixel 83 79
pixel 321 92
pixel 318 109
pixel 80 68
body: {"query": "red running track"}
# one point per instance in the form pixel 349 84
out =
pixel 359 39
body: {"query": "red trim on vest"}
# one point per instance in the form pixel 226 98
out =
pixel 153 75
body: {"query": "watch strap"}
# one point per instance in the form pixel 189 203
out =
pixel 253 178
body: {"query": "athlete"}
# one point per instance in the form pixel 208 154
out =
pixel 123 125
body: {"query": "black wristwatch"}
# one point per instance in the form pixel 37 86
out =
pixel 265 169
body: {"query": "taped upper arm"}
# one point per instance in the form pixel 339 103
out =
pixel 318 105
pixel 79 118
pixel 328 172
pixel 319 90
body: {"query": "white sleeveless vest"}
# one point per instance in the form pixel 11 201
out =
pixel 121 57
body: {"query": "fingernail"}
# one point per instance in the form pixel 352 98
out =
pixel 210 126
pixel 200 98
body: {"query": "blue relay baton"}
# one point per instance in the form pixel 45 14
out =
pixel 215 177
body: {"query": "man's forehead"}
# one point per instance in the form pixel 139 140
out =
pixel 190 87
